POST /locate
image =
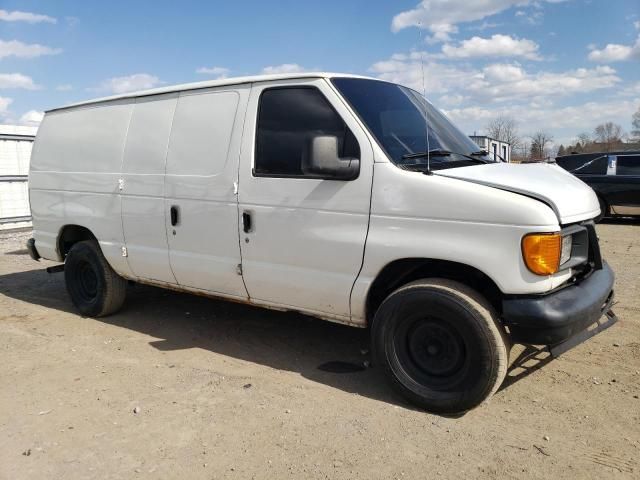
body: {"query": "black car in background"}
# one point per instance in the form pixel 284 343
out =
pixel 615 177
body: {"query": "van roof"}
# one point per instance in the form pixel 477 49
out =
pixel 211 83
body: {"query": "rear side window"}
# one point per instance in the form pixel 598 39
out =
pixel 628 165
pixel 288 118
pixel 597 166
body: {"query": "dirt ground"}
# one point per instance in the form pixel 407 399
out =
pixel 179 386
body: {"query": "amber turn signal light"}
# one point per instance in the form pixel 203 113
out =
pixel 541 252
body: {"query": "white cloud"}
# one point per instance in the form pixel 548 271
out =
pixel 443 15
pixel 452 100
pixel 218 72
pixel 31 118
pixel 496 46
pixel 614 52
pixel 28 17
pixel 534 17
pixel 441 32
pixel 15 48
pixel 130 83
pixel 486 26
pixel 4 105
pixel 563 122
pixel 284 68
pixel 630 90
pixel 503 82
pixel 17 80
pixel 64 87
pixel 406 69
pixel 496 82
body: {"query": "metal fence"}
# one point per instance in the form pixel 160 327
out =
pixel 15 153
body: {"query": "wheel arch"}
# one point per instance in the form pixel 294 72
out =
pixel 69 235
pixel 402 271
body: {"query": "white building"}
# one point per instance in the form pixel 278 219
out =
pixel 15 153
pixel 497 149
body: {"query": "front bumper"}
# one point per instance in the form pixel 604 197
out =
pixel 563 316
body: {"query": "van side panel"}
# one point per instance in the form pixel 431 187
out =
pixel 74 176
pixel 143 205
pixel 478 226
pixel 202 168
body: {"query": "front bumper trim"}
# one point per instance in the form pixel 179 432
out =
pixel 604 322
pixel 560 316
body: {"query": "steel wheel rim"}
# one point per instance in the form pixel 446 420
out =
pixel 87 281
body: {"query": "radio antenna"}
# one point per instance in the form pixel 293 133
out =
pixel 424 95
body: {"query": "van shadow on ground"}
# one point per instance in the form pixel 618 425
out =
pixel 280 340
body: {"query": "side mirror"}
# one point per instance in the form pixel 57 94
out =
pixel 323 160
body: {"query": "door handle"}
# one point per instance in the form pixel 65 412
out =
pixel 174 215
pixel 246 222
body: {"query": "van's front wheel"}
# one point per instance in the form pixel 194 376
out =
pixel 95 289
pixel 441 345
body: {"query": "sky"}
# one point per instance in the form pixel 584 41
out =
pixel 562 66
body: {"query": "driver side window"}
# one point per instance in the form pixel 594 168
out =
pixel 288 119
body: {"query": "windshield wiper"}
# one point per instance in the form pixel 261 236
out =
pixel 445 153
pixel 437 152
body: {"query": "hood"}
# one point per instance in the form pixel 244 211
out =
pixel 571 199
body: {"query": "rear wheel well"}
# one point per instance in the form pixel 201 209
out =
pixel 70 235
pixel 400 272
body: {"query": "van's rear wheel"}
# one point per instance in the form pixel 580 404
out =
pixel 441 345
pixel 95 289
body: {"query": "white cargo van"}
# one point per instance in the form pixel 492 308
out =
pixel 343 197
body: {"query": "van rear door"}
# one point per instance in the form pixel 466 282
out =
pixel 200 190
pixel 302 236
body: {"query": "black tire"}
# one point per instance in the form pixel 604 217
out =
pixel 604 210
pixel 441 345
pixel 95 289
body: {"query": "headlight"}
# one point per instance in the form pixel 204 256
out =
pixel 541 252
pixel 565 254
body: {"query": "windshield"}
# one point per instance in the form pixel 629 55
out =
pixel 395 115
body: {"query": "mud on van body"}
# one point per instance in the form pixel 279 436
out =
pixel 324 194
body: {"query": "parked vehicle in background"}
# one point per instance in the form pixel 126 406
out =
pixel 325 194
pixel 614 176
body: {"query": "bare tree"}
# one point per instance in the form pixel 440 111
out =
pixel 635 122
pixel 521 154
pixel 584 138
pixel 609 135
pixel 582 144
pixel 504 129
pixel 540 142
pixel 561 151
